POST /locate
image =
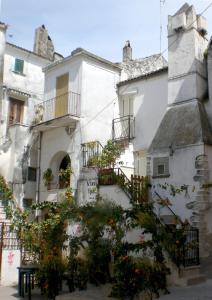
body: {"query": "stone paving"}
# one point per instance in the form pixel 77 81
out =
pixel 198 292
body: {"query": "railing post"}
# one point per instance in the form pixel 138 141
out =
pixel 1 243
pixel 113 133
pixel 129 128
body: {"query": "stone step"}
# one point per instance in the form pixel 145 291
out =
pixel 191 276
pixel 196 280
pixel 189 271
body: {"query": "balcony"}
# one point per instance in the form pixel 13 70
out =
pixel 64 107
pixel 123 128
pixel 90 153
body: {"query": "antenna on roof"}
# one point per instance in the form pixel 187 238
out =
pixel 162 2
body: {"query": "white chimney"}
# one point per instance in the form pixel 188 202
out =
pixel 187 44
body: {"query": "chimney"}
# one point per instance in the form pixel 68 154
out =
pixel 43 44
pixel 187 44
pixel 3 29
pixel 127 52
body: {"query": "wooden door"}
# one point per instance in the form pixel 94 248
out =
pixel 16 111
pixel 61 103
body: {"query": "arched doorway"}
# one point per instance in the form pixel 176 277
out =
pixel 65 172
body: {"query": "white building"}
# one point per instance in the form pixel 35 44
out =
pixel 80 96
pixel 21 88
pixel 179 158
pixel 158 112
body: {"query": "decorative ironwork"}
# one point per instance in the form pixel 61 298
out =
pixel 90 152
pixel 48 107
pixel 191 247
pixel 123 128
pixel 8 238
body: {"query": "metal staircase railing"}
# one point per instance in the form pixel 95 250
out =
pixel 188 253
pixel 90 153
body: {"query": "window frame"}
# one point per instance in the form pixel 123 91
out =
pixel 17 63
pixel 31 177
pixel 161 161
pixel 15 111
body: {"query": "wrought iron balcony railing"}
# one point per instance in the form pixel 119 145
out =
pixel 66 104
pixel 123 128
pixel 90 153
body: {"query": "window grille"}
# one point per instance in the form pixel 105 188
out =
pixel 161 167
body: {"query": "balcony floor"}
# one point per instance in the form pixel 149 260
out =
pixel 67 120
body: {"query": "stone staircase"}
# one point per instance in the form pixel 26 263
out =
pixel 184 276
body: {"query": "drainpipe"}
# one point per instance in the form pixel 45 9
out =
pixel 38 169
pixel 3 29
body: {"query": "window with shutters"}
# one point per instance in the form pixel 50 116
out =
pixel 19 66
pixel 161 167
pixel 16 110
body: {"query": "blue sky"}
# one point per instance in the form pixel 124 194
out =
pixel 99 26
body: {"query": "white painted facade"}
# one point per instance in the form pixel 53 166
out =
pixel 96 89
pixel 28 88
pixel 181 147
pixel 95 81
pixel 19 93
pixel 148 95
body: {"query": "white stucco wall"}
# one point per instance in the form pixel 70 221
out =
pixel 208 212
pixel 73 68
pixel 32 80
pixel 31 87
pixel 9 271
pixel 55 144
pixel 182 171
pixel 187 70
pixel 150 101
pixel 96 83
pixel 98 101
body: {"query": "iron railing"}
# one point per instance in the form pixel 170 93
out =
pixel 66 104
pixel 190 248
pixel 8 238
pixel 188 253
pixel 123 128
pixel 90 153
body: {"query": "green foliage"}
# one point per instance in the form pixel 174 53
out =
pixel 45 239
pixel 5 191
pixel 65 175
pixel 110 153
pixel 135 274
pixel 47 176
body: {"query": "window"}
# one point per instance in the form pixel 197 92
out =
pixel 16 109
pixel 161 167
pixel 126 106
pixel 31 174
pixel 19 66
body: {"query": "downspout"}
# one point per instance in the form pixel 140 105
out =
pixel 38 169
pixel 3 29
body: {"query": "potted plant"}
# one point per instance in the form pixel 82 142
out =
pixel 64 177
pixel 48 177
pixel 106 162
